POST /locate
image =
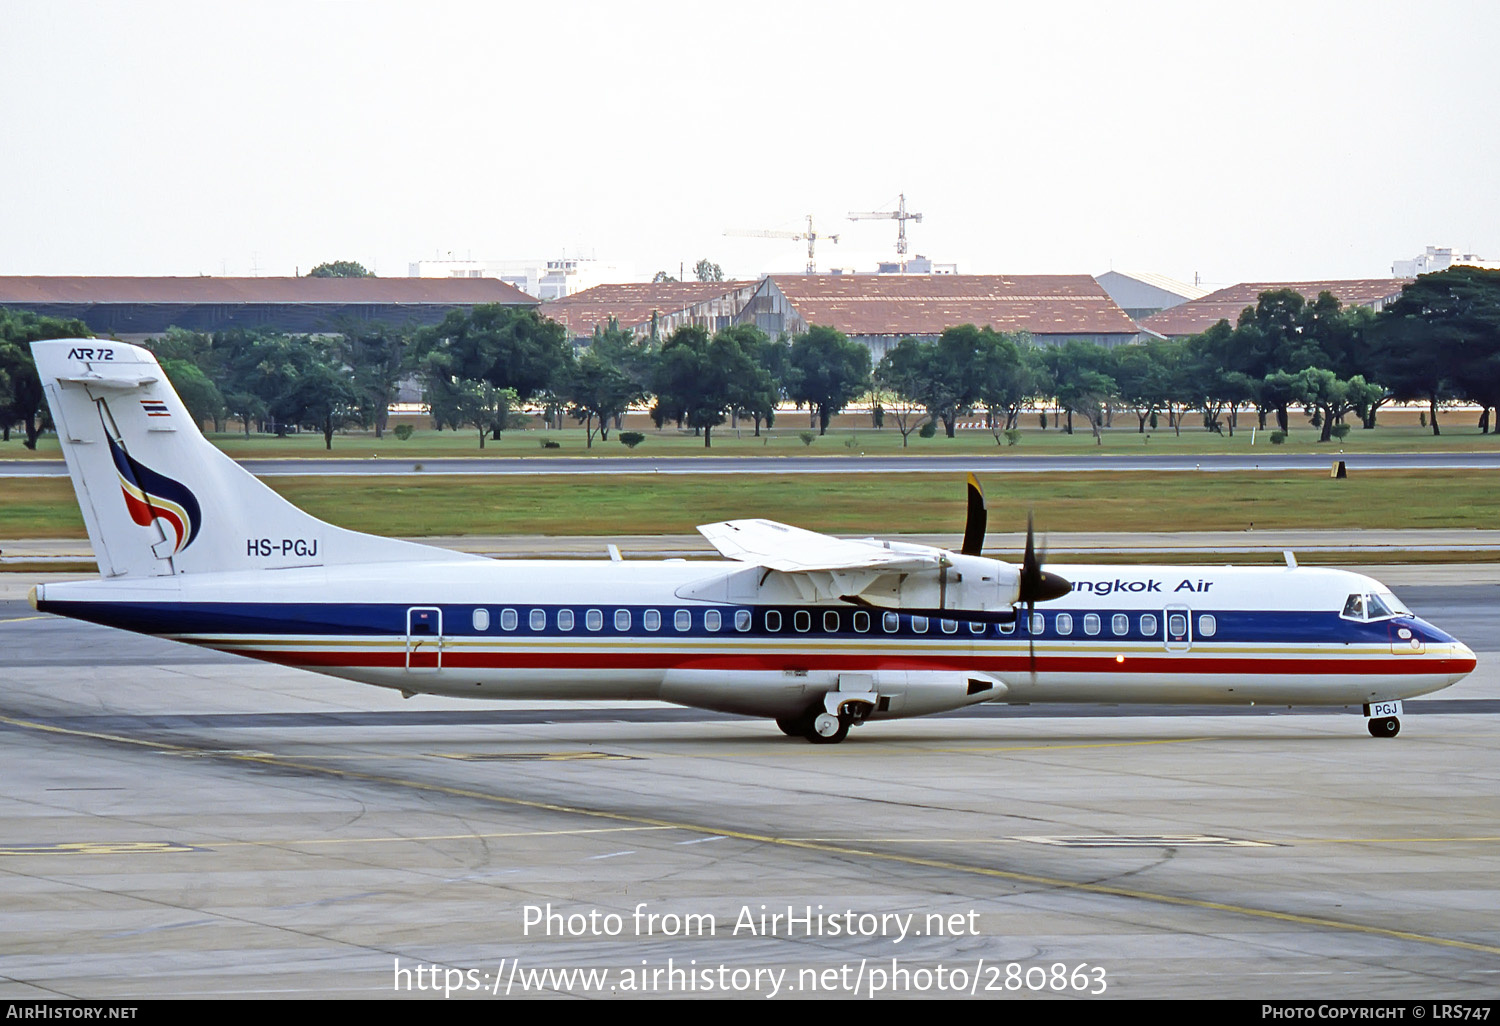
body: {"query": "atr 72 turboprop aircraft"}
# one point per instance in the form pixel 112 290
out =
pixel 818 633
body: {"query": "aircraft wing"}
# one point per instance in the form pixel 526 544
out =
pixel 792 550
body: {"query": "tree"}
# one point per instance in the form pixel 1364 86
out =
pixel 951 377
pixel 1444 333
pixel 340 269
pixel 827 372
pixel 21 397
pixel 377 356
pixel 600 383
pixel 200 395
pixel 510 347
pixel 321 396
pixel 700 379
pixel 476 404
pixel 1146 376
pixel 902 378
pixel 705 270
pixel 295 380
pixel 1006 376
pixel 759 396
pixel 661 276
pixel 1082 381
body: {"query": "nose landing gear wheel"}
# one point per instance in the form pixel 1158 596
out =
pixel 1385 726
pixel 828 729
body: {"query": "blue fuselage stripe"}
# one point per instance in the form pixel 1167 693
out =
pixel 459 621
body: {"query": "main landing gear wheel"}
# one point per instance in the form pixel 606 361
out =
pixel 1385 726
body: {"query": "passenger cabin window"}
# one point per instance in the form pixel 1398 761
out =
pixel 950 626
pixel 481 619
pixel 1207 625
pixel 891 622
pixel 802 620
pixel 1091 624
pixel 622 619
pixel 975 627
pixel 1008 628
pixel 508 619
pixel 773 620
pixel 1064 623
pixel 742 619
pixel 1177 626
pixel 862 621
pixel 538 619
pixel 651 620
pixel 1148 624
pixel 1038 623
pixel 1120 624
pixel 919 624
pixel 593 619
pixel 682 619
pixel 831 622
pixel 712 620
pixel 565 619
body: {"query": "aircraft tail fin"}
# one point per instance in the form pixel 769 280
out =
pixel 157 497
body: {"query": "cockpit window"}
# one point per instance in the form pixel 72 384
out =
pixel 1377 605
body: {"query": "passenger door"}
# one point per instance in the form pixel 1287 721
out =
pixel 424 639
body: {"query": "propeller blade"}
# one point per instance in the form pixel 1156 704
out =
pixel 978 518
pixel 1031 638
pixel 1036 584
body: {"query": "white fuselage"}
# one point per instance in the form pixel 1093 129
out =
pixel 624 630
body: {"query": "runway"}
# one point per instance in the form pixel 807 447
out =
pixel 180 823
pixel 985 464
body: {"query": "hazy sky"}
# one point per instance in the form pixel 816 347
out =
pixel 1243 142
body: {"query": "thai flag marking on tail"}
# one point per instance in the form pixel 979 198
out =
pixel 155 408
pixel 150 496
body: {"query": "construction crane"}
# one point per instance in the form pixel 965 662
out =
pixel 810 235
pixel 900 216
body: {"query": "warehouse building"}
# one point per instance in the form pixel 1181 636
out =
pixel 131 309
pixel 881 310
pixel 707 304
pixel 1197 316
pixel 1141 294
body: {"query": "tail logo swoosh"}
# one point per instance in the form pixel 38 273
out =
pixel 150 496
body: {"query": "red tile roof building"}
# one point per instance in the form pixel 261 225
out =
pixel 1197 316
pixel 882 310
pixel 709 304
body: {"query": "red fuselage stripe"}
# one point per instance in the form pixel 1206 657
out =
pixel 1158 664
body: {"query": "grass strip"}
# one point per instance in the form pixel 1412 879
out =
pixel 416 506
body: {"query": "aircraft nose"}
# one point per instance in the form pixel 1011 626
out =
pixel 1464 656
